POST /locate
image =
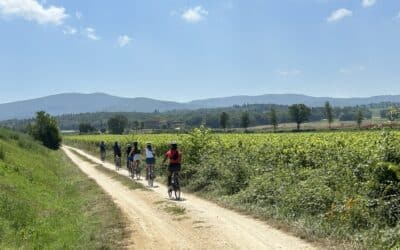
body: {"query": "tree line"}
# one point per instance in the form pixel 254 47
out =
pixel 297 113
pixel 238 116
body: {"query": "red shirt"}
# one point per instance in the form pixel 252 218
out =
pixel 174 156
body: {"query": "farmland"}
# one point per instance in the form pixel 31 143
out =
pixel 342 187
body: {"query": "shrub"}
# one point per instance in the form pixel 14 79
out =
pixel 45 129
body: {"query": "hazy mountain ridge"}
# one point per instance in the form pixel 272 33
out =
pixel 72 103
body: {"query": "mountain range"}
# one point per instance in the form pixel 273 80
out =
pixel 73 103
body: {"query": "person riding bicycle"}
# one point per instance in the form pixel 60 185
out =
pixel 136 156
pixel 175 157
pixel 128 158
pixel 103 151
pixel 117 152
pixel 150 159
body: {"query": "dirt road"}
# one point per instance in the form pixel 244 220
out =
pixel 158 223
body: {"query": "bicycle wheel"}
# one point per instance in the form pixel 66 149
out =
pixel 131 169
pixel 170 192
pixel 137 172
pixel 177 191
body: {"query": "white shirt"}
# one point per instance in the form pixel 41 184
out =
pixel 149 154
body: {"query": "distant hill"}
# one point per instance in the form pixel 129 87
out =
pixel 289 99
pixel 74 103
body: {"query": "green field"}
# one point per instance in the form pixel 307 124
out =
pixel 335 187
pixel 47 203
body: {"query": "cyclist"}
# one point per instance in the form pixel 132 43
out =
pixel 174 156
pixel 150 160
pixel 135 154
pixel 117 154
pixel 102 151
pixel 128 158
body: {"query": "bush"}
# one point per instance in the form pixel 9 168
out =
pixel 45 129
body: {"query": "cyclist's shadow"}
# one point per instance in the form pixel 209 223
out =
pixel 180 200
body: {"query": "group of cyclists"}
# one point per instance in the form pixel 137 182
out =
pixel 134 157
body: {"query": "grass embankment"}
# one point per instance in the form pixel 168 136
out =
pixel 47 203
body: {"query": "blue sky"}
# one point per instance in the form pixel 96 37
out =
pixel 183 50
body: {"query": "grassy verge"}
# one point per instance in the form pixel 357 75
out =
pixel 47 203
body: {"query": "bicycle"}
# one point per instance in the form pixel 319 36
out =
pixel 130 169
pixel 175 186
pixel 103 156
pixel 150 175
pixel 137 170
pixel 117 162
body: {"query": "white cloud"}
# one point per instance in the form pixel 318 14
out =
pixel 195 14
pixel 368 3
pixel 352 69
pixel 68 30
pixel 78 15
pixel 91 34
pixel 32 10
pixel 339 14
pixel 288 72
pixel 124 40
pixel 398 16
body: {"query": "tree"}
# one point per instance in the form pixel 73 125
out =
pixel 273 118
pixel 45 129
pixel 141 125
pixel 86 128
pixel 359 117
pixel 328 113
pixel 245 120
pixel 135 125
pixel 393 113
pixel 299 113
pixel 117 124
pixel 223 120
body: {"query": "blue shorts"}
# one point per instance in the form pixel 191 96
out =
pixel 174 167
pixel 151 161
